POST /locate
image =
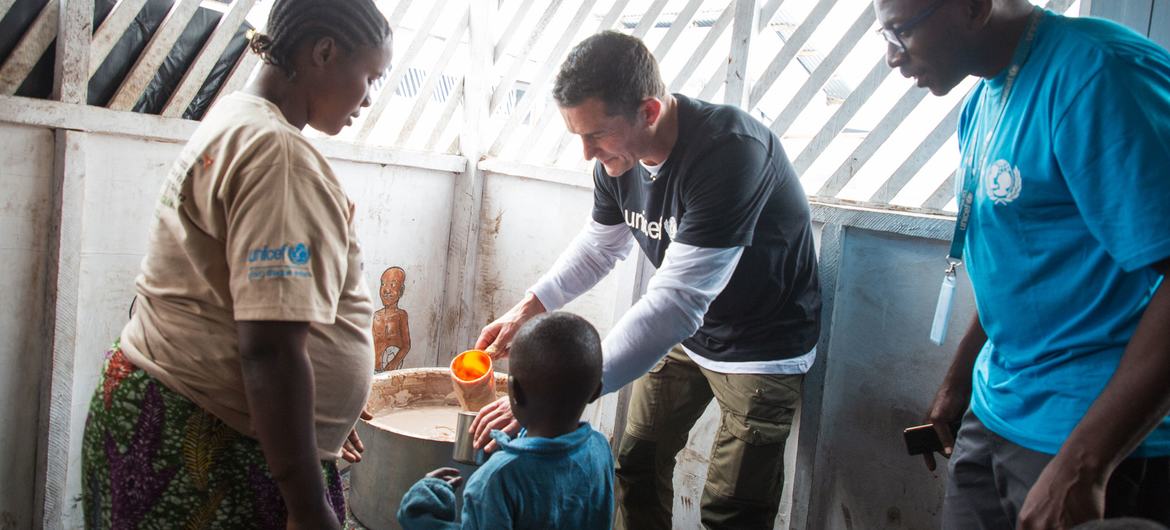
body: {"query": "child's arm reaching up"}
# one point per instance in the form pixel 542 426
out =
pixel 430 503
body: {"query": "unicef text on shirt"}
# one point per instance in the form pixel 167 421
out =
pixel 297 253
pixel 652 229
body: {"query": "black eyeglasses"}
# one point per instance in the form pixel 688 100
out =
pixel 893 35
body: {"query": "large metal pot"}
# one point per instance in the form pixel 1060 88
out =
pixel 395 459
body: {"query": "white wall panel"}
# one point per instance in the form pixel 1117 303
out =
pixel 403 217
pixel 526 224
pixel 26 164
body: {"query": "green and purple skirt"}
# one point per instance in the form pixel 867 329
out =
pixel 151 458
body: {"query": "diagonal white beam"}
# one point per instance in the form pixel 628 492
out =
pixel 111 31
pixel 703 50
pixel 841 117
pixel 536 87
pixel 212 50
pixel 791 47
pixel 403 65
pixel 511 31
pixel 32 46
pixel 822 73
pixel 547 118
pixel 505 85
pixel 680 23
pixel 434 74
pixel 153 56
pixel 868 147
pixel 240 74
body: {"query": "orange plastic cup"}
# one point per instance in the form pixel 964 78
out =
pixel 473 379
pixel 471 365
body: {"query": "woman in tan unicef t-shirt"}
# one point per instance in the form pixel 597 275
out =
pixel 238 380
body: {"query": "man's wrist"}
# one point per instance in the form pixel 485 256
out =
pixel 530 306
pixel 1077 463
pixel 957 384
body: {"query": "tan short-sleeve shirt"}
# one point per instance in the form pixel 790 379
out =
pixel 252 224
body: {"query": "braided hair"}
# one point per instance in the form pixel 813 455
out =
pixel 351 23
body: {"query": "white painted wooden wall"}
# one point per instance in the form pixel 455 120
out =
pixel 24 214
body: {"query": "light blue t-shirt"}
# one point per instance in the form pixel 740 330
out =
pixel 1071 211
pixel 563 482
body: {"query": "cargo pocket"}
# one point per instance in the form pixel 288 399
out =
pixel 747 459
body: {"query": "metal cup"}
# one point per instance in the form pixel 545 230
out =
pixel 465 451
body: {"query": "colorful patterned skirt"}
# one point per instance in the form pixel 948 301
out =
pixel 153 459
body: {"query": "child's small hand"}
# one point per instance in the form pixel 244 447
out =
pixel 449 475
pixel 496 415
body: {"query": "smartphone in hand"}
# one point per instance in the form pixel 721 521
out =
pixel 922 439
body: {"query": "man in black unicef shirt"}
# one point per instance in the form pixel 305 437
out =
pixel 733 312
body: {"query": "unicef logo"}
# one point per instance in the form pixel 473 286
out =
pixel 299 254
pixel 671 226
pixel 1002 182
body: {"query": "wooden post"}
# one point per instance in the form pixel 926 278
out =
pixel 458 331
pixel 71 70
pixel 63 263
pixel 743 28
pixel 807 506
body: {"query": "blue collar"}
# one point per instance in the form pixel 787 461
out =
pixel 563 444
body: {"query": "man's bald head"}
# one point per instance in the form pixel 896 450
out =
pixel 394 274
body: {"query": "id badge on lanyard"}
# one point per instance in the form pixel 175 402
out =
pixel 942 312
pixel 970 172
pixel 946 293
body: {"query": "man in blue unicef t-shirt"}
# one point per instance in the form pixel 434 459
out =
pixel 1064 377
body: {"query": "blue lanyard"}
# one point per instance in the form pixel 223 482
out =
pixel 969 169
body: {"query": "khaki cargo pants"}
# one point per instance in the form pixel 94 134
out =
pixel 745 476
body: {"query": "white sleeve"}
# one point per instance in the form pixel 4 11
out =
pixel 591 255
pixel 671 310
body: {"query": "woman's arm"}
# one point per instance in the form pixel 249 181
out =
pixel 278 382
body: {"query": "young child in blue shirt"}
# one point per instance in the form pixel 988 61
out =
pixel 558 471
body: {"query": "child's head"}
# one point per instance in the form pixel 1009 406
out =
pixel 333 49
pixel 393 280
pixel 555 364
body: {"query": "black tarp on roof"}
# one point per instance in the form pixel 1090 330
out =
pixel 113 70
